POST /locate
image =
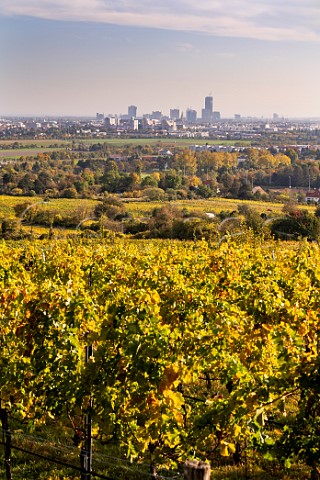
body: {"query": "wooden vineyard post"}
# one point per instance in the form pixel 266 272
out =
pixel 153 472
pixel 86 450
pixel 194 470
pixel 6 441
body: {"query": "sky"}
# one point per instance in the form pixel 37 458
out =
pixel 79 57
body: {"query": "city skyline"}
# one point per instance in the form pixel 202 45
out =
pixel 80 57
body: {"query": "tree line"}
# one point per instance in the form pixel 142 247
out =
pixel 129 171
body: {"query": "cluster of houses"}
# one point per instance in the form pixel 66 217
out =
pixel 313 196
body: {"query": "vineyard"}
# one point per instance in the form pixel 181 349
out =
pixel 139 207
pixel 198 350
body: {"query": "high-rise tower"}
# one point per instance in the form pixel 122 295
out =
pixel 208 104
pixel 191 115
pixel 132 111
pixel 174 113
pixel 208 109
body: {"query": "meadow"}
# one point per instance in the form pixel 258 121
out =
pixel 163 142
pixel 27 152
pixel 30 148
pixel 121 141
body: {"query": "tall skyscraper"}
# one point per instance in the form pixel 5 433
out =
pixel 156 115
pixel 208 109
pixel 174 113
pixel 132 111
pixel 208 104
pixel 191 115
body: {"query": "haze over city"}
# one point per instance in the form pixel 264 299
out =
pixel 84 56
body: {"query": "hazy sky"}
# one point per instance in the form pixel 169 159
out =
pixel 79 57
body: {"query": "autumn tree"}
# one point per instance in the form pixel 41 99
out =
pixel 111 207
pixel 186 162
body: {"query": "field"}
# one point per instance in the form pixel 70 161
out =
pixel 120 142
pixel 27 152
pixel 30 147
pixel 43 143
pixel 164 142
pixel 47 146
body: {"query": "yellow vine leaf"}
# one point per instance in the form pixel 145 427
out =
pixel 224 451
pixel 169 378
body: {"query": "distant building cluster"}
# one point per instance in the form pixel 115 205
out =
pixel 208 116
pixel 154 125
pixel 177 124
pixel 176 118
pixel 209 124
